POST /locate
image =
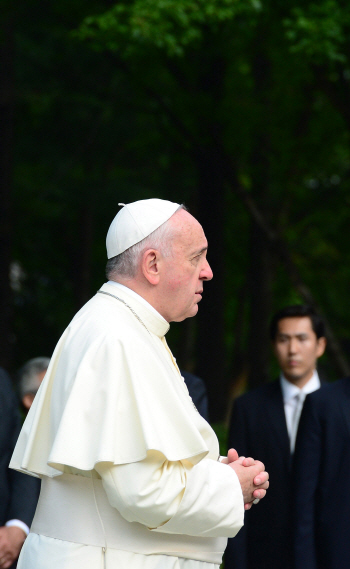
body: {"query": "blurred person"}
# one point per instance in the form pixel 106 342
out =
pixel 198 392
pixel 265 421
pixel 18 493
pixel 322 462
pixel 130 470
pixel 30 377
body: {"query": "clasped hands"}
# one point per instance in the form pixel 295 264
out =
pixel 251 474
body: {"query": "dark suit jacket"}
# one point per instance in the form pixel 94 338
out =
pixel 322 467
pixel 258 429
pixel 198 392
pixel 18 492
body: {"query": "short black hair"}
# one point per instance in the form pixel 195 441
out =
pixel 295 311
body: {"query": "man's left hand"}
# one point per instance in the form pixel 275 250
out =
pixel 11 541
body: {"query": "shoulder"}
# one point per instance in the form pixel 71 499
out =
pixel 193 381
pixel 324 403
pixel 9 407
pixel 330 391
pixel 104 318
pixel 263 392
pixel 6 388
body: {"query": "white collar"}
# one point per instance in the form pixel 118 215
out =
pixel 137 296
pixel 289 390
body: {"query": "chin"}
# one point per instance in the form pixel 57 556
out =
pixel 189 314
pixel 193 311
pixel 293 376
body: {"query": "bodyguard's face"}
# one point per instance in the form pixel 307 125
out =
pixel 297 348
pixel 185 270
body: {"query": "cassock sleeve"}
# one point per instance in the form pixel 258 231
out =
pixel 176 497
pixel 307 461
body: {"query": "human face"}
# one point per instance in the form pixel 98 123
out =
pixel 184 270
pixel 297 348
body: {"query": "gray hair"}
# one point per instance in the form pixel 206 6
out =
pixel 28 375
pixel 125 265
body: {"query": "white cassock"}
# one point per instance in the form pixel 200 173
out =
pixel 130 471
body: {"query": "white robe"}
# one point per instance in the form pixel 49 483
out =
pixel 113 406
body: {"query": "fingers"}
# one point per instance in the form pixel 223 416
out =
pixel 259 494
pixel 249 461
pixel 260 465
pixel 261 479
pixel 6 562
pixel 232 455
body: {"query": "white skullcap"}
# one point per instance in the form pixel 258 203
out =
pixel 135 221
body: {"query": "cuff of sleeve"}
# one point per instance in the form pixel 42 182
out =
pixel 19 524
pixel 212 504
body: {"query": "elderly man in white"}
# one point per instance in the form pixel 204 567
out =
pixel 130 470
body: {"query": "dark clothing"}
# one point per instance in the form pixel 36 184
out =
pixel 197 391
pixel 321 469
pixel 18 492
pixel 258 428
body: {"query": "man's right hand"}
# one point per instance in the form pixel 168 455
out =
pixel 252 477
pixel 11 541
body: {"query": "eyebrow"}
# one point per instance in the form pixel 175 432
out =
pixel 285 335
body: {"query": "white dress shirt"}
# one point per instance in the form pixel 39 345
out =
pixel 293 398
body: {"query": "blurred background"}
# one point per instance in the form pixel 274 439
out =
pixel 238 108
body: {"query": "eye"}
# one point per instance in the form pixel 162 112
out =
pixel 196 259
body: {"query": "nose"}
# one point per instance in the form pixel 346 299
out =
pixel 206 273
pixel 293 343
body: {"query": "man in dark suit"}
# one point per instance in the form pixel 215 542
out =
pixel 198 392
pixel 321 469
pixel 18 492
pixel 264 424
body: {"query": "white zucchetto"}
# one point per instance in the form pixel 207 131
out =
pixel 135 221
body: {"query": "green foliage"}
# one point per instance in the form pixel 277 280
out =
pixel 168 25
pixel 222 434
pixel 320 30
pixel 172 81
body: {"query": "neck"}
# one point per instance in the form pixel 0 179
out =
pixel 145 290
pixel 300 381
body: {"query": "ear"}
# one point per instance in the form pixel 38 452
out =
pixel 321 346
pixel 150 266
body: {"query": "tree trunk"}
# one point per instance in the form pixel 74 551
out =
pixel 259 273
pixel 260 304
pixel 211 357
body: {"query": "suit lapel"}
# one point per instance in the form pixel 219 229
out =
pixel 277 418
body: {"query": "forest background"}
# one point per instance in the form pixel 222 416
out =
pixel 238 108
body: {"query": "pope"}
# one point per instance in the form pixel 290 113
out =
pixel 131 473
